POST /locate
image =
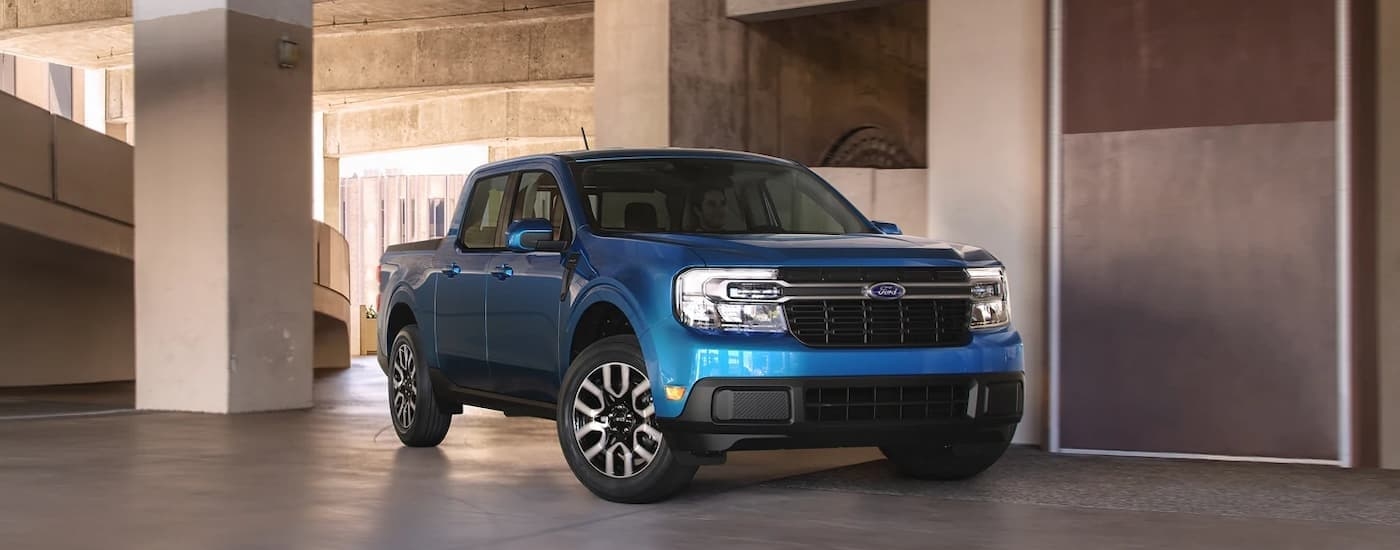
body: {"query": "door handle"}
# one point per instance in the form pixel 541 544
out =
pixel 503 272
pixel 452 270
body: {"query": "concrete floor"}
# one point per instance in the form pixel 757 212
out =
pixel 336 477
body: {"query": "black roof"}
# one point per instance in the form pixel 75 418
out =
pixel 664 152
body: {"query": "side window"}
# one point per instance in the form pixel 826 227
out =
pixel 539 197
pixel 482 225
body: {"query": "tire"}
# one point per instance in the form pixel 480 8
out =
pixel 412 406
pixel 595 422
pixel 943 462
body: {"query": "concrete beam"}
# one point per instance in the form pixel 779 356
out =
pixel 512 148
pixel 548 44
pixel 752 11
pixel 31 14
pixel 81 33
pixel 337 100
pixel 552 113
pixel 100 44
pixel 370 12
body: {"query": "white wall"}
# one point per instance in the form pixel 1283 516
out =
pixel 986 156
pixel 897 196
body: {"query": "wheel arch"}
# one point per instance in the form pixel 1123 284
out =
pixel 602 303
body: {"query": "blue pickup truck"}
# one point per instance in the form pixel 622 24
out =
pixel 667 306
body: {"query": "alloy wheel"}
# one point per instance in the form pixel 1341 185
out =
pixel 405 373
pixel 615 421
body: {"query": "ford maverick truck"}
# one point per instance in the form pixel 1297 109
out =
pixel 665 307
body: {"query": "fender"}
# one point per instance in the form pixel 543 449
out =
pixel 609 291
pixel 401 295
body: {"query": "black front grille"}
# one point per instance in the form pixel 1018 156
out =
pixel 880 323
pixel 885 403
pixel 873 274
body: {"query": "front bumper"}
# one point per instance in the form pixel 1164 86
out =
pixel 677 356
pixel 724 414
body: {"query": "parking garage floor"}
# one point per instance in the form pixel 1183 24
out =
pixel 335 477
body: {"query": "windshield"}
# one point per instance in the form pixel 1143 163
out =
pixel 711 196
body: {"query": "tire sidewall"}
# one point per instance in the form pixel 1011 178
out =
pixel 662 470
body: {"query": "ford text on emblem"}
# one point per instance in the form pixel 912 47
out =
pixel 885 291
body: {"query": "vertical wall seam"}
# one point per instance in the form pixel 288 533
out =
pixel 1054 183
pixel 1345 366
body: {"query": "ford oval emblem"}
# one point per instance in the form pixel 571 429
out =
pixel 885 291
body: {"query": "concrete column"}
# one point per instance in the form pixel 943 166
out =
pixel 32 81
pixel 631 73
pixel 986 141
pixel 1388 231
pixel 668 73
pixel 222 196
pixel 330 192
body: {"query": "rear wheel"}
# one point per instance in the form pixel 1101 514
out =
pixel 607 426
pixel 944 462
pixel 412 406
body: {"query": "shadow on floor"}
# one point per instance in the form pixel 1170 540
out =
pixel 70 400
pixel 1243 490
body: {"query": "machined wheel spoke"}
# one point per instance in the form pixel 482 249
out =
pixel 583 408
pixel 592 388
pixel 614 402
pixel 593 451
pixel 405 393
pixel 642 451
pixel 591 427
pixel 619 450
pixel 651 432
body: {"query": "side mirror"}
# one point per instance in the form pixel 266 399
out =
pixel 531 235
pixel 887 228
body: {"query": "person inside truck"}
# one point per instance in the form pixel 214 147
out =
pixel 711 211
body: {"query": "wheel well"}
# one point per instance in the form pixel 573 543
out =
pixel 400 316
pixel 600 321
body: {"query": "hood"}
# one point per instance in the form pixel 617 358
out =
pixel 853 249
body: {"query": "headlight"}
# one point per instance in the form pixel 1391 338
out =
pixel 991 303
pixel 730 300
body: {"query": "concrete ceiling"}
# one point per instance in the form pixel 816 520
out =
pixel 389 73
pixel 97 34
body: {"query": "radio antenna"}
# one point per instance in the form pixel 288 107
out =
pixel 585 137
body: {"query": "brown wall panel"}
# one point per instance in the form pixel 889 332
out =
pixel 813 79
pixel 1144 64
pixel 1199 291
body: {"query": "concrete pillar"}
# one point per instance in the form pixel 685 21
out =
pixel 631 73
pixel 32 81
pixel 222 196
pixel 668 73
pixel 1388 231
pixel 986 141
pixel 330 192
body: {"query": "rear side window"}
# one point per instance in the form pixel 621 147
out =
pixel 481 226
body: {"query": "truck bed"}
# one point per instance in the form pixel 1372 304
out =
pixel 416 246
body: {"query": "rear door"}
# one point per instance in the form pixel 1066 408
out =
pixel 461 290
pixel 523 305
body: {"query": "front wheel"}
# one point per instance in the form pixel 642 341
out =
pixel 607 426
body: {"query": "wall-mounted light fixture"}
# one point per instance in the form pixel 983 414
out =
pixel 288 53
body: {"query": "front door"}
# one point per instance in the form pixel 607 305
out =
pixel 462 284
pixel 523 306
